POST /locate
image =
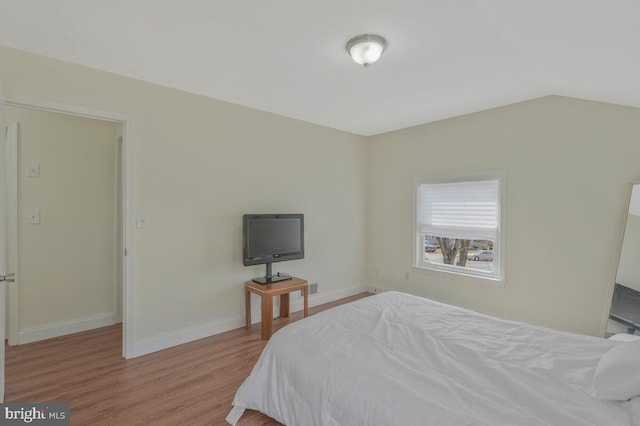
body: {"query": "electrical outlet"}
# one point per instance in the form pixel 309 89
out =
pixel 33 216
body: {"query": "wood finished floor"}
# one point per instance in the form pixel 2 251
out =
pixel 191 384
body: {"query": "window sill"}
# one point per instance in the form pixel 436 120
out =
pixel 455 271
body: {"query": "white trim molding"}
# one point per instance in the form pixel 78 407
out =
pixel 320 299
pixel 186 335
pixel 63 328
pixel 463 201
pixel 128 337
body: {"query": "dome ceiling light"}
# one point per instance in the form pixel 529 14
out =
pixel 366 49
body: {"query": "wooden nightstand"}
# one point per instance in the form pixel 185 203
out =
pixel 266 292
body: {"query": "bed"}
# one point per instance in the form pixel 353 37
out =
pixel 398 359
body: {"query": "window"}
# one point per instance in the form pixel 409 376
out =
pixel 459 226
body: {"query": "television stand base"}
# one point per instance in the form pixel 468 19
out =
pixel 273 279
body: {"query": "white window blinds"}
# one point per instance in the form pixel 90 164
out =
pixel 464 210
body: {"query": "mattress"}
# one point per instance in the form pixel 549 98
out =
pixel 398 359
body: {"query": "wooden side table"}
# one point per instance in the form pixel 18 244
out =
pixel 266 292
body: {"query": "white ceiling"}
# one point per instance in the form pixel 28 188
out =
pixel 445 57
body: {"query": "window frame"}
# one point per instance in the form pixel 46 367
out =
pixel 499 248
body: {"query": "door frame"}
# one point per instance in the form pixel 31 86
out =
pixel 126 182
pixel 11 221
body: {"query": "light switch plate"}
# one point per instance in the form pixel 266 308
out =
pixel 142 221
pixel 32 169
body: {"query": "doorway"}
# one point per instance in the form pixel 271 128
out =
pixel 73 271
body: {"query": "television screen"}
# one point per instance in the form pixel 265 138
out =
pixel 271 238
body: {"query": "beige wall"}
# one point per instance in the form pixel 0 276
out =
pixel 67 262
pixel 568 164
pixel 199 164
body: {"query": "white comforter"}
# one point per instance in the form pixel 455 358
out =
pixel 397 359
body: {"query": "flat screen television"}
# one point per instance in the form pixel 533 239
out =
pixel 269 238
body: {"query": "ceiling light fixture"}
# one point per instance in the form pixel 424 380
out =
pixel 366 49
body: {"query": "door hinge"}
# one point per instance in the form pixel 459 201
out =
pixel 10 278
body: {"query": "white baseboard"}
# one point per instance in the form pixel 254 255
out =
pixel 167 340
pixel 377 289
pixel 320 299
pixel 186 335
pixel 48 331
pixel 314 300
